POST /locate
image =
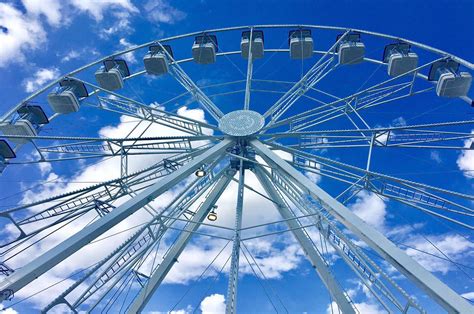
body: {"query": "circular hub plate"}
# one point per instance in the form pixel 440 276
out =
pixel 241 123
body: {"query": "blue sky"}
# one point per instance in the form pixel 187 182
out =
pixel 44 39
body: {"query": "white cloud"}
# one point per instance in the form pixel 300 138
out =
pixel 19 34
pixel 435 156
pixel 213 304
pixel 400 121
pixel 362 307
pixel 468 295
pixel 86 53
pixel 51 9
pixel 121 25
pixel 130 56
pixel 163 12
pixel 97 8
pixel 465 160
pixel 371 208
pixel 7 311
pixel 40 78
pixel 316 178
pixel 187 310
pixel 71 55
pixel 454 246
pixel 22 32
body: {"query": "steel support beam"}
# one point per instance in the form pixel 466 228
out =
pixel 231 304
pixel 248 81
pixel 440 292
pixel 172 256
pixel 54 256
pixel 336 291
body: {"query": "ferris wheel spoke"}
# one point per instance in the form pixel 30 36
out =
pixel 440 292
pixel 183 78
pixel 177 248
pixel 118 103
pixel 429 199
pixel 55 149
pixel 375 95
pixel 424 136
pixel 325 65
pixel 324 272
pixel 248 81
pixel 377 281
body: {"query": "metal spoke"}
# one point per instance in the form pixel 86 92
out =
pixel 408 136
pixel 372 96
pixel 133 108
pixel 248 81
pixel 427 198
pixel 316 73
pixel 105 147
pixel 191 87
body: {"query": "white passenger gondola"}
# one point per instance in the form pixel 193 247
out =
pixel 350 50
pixel 6 152
pixel 301 44
pixel 66 98
pixel 110 75
pixel 399 58
pixel 204 49
pixel 156 60
pixel 451 82
pixel 26 122
pixel 257 44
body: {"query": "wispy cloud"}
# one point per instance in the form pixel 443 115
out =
pixel 465 160
pixel 40 78
pixel 162 12
pixel 19 34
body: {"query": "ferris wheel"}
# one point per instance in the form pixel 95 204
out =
pixel 312 142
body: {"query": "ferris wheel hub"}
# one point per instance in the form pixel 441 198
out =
pixel 241 123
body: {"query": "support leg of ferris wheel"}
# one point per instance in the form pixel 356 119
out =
pixel 54 256
pixel 172 256
pixel 440 292
pixel 231 304
pixel 335 290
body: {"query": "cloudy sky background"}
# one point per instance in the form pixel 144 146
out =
pixel 41 40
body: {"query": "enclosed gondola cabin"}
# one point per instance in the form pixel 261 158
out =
pixel 204 49
pixel 450 81
pixel 66 98
pixel 6 152
pixel 26 122
pixel 110 76
pixel 350 50
pixel 301 44
pixel 156 60
pixel 399 58
pixel 257 44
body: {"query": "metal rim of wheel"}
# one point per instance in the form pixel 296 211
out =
pixel 233 139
